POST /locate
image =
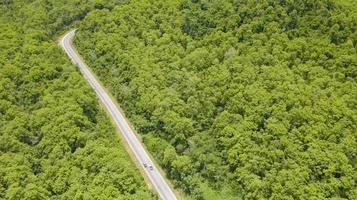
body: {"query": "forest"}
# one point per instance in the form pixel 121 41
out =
pixel 236 99
pixel 56 142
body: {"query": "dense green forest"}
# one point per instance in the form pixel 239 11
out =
pixel 236 99
pixel 55 140
pixel 243 99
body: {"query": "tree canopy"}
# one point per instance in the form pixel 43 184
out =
pixel 238 98
pixel 55 140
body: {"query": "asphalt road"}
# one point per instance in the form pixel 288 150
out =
pixel 156 179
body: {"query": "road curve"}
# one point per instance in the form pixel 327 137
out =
pixel 156 179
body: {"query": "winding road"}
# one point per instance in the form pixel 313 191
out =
pixel 156 179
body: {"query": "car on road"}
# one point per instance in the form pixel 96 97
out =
pixel 145 165
pixel 151 167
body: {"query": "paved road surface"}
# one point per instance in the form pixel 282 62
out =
pixel 135 145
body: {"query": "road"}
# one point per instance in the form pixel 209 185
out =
pixel 156 179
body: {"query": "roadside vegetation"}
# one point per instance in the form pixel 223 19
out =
pixel 55 140
pixel 238 98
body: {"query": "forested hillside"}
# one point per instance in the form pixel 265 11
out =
pixel 55 140
pixel 247 99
